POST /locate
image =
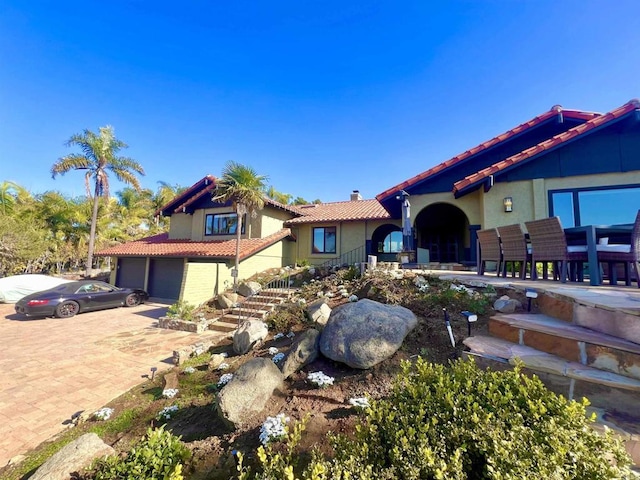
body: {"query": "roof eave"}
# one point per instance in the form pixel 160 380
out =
pixel 490 178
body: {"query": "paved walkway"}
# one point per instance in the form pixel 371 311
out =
pixel 617 297
pixel 52 368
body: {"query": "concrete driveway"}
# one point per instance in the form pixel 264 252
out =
pixel 51 368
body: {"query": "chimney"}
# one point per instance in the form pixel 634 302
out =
pixel 355 196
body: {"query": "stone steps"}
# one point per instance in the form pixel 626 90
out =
pixel 258 306
pixel 223 326
pixel 538 361
pixel 569 341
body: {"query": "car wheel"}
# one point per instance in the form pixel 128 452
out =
pixel 67 309
pixel 132 300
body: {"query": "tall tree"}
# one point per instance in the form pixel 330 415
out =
pixel 98 157
pixel 245 189
pixel 9 194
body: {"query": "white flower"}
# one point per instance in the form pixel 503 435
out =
pixel 273 350
pixel 302 302
pixel 273 428
pixel 104 413
pixel 167 412
pixel 189 370
pixel 278 336
pixel 291 335
pixel 169 392
pixel 223 366
pixel 224 354
pixel 224 379
pixel 277 357
pixel 320 379
pixel 359 402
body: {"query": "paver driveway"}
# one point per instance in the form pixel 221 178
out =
pixel 51 368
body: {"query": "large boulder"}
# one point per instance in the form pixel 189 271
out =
pixel 247 289
pixel 248 391
pixel 303 351
pixel 248 335
pixel 319 311
pixel 364 333
pixel 73 457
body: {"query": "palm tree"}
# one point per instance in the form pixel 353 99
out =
pixel 9 194
pixel 244 188
pixel 98 157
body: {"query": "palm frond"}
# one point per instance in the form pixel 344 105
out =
pixel 73 161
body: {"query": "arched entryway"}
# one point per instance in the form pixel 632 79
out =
pixel 386 242
pixel 443 229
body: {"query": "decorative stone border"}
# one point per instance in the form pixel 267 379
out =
pixel 184 325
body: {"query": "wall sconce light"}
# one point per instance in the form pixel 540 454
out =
pixel 508 204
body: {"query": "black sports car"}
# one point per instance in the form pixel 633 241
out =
pixel 77 297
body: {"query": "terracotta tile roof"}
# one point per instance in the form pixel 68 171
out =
pixel 205 186
pixel 555 111
pixel 340 212
pixel 549 144
pixel 161 246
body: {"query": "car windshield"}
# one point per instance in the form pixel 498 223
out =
pixel 95 287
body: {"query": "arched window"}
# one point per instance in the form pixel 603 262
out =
pixel 392 243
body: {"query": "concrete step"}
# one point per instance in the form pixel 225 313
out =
pixel 260 304
pixel 223 326
pixel 234 318
pixel 538 361
pixel 569 341
pixel 617 313
pixel 283 293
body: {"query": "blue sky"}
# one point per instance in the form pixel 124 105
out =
pixel 323 97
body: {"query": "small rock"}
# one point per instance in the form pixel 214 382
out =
pixel 247 289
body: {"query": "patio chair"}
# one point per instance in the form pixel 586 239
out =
pixel 549 245
pixel 490 250
pixel 628 255
pixel 514 250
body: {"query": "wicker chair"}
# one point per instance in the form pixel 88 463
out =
pixel 549 244
pixel 628 255
pixel 514 249
pixel 490 250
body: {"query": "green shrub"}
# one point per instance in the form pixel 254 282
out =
pixel 181 309
pixel 459 422
pixel 158 456
pixel 286 316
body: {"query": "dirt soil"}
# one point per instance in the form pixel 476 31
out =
pixel 328 408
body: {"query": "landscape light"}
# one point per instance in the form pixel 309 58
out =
pixel 530 293
pixel 471 318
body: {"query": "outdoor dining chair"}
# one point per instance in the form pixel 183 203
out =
pixel 549 245
pixel 628 255
pixel 514 250
pixel 490 250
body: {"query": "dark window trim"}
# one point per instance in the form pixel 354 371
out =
pixel 213 215
pixel 313 236
pixel 576 199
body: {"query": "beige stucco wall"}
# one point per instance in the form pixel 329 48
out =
pixel 270 257
pixel 191 226
pixel 202 281
pixel 531 197
pixel 268 222
pixel 349 236
pixel 180 227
